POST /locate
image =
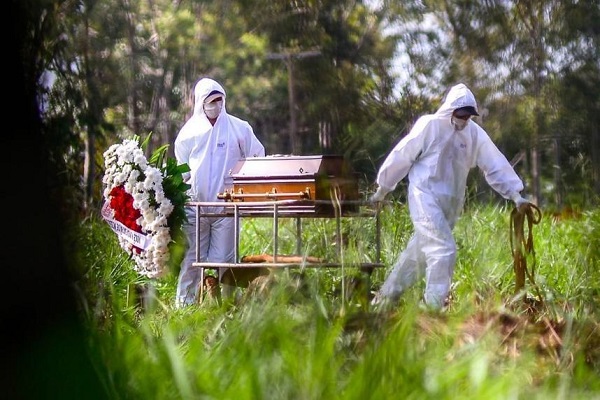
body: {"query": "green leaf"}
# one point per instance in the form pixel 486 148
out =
pixel 158 156
pixel 182 168
pixel 144 144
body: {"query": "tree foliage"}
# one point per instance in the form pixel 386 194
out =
pixel 345 77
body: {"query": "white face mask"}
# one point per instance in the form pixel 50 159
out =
pixel 212 110
pixel 459 124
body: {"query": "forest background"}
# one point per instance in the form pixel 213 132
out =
pixel 343 77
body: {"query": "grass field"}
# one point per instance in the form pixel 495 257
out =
pixel 301 339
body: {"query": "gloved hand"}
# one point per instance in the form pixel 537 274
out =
pixel 378 196
pixel 520 202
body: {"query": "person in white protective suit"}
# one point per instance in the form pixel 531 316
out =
pixel 437 155
pixel 211 142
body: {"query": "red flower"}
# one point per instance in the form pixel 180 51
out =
pixel 122 204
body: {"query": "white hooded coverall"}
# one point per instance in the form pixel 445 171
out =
pixel 437 159
pixel 211 152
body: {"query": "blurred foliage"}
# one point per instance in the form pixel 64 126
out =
pixel 296 337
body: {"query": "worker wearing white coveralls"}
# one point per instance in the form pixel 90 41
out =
pixel 211 142
pixel 437 155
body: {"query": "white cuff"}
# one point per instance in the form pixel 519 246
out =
pixel 379 195
pixel 514 196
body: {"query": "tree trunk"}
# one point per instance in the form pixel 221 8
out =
pixel 558 191
pixel 132 98
pixel 89 167
pixel 91 123
pixel 596 158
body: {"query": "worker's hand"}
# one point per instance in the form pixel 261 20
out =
pixel 521 203
pixel 378 196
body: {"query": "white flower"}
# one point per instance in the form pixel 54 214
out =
pixel 126 166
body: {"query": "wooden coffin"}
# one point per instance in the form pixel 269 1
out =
pixel 321 184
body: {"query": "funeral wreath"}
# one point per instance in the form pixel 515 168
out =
pixel 144 202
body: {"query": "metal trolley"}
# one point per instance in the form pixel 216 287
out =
pixel 298 210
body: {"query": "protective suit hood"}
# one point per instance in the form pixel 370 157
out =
pixel 458 96
pixel 204 88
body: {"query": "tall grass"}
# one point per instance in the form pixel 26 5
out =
pixel 299 339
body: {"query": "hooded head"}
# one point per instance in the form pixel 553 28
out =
pixel 205 92
pixel 458 97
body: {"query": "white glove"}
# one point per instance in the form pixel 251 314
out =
pixel 378 196
pixel 520 202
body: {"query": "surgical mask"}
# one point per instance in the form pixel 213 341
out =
pixel 212 110
pixel 459 124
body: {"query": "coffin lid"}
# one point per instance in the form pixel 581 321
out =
pixel 277 166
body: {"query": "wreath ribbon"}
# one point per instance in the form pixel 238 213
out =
pixel 135 238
